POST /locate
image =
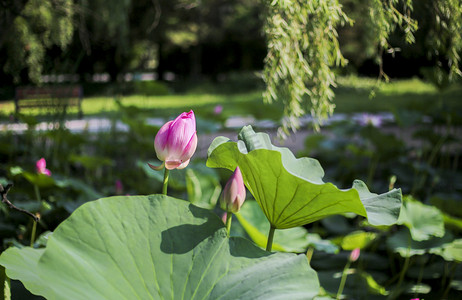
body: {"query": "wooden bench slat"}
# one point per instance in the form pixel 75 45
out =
pixel 50 96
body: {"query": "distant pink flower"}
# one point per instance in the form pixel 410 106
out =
pixel 176 141
pixel 41 166
pixel 234 193
pixel 218 109
pixel 119 187
pixel 368 119
pixel 224 217
pixel 354 255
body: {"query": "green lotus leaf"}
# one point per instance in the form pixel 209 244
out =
pixel 40 180
pixel 423 221
pixel 155 247
pixel 451 251
pixel 402 243
pixel 295 239
pixel 357 239
pixel 291 191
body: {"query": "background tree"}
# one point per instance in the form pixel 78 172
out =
pixel 303 46
pixel 31 28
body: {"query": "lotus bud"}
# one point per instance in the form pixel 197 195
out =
pixel 354 255
pixel 176 141
pixel 234 193
pixel 41 166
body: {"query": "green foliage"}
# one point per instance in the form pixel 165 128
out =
pixel 41 25
pixel 290 191
pixel 423 221
pixel 303 50
pixel 445 39
pixel 203 186
pixel 401 242
pixel 5 286
pixel 357 239
pixel 155 247
pixel 151 88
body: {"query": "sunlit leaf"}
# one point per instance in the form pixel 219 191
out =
pixel 451 251
pixel 374 287
pixel 358 239
pixel 155 247
pixel 290 191
pixel 423 221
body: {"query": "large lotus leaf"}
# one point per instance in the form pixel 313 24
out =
pixel 155 247
pixel 290 191
pixel 423 221
pixel 295 239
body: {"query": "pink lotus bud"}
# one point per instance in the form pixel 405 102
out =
pixel 234 193
pixel 41 166
pixel 354 255
pixel 176 141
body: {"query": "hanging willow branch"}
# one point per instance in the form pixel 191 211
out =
pixel 303 49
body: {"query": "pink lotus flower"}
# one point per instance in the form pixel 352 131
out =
pixel 41 166
pixel 234 193
pixel 218 109
pixel 354 255
pixel 176 141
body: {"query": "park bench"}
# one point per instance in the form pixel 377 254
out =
pixel 61 97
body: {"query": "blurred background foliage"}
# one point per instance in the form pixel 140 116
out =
pixel 300 46
pixel 205 54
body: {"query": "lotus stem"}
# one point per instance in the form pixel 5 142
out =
pixel 164 187
pixel 37 193
pixel 343 280
pixel 451 277
pixel 34 225
pixel 229 217
pixel 269 244
pixel 32 236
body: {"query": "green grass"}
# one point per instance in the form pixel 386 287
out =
pixel 352 95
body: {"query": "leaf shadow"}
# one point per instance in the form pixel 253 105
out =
pixel 183 238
